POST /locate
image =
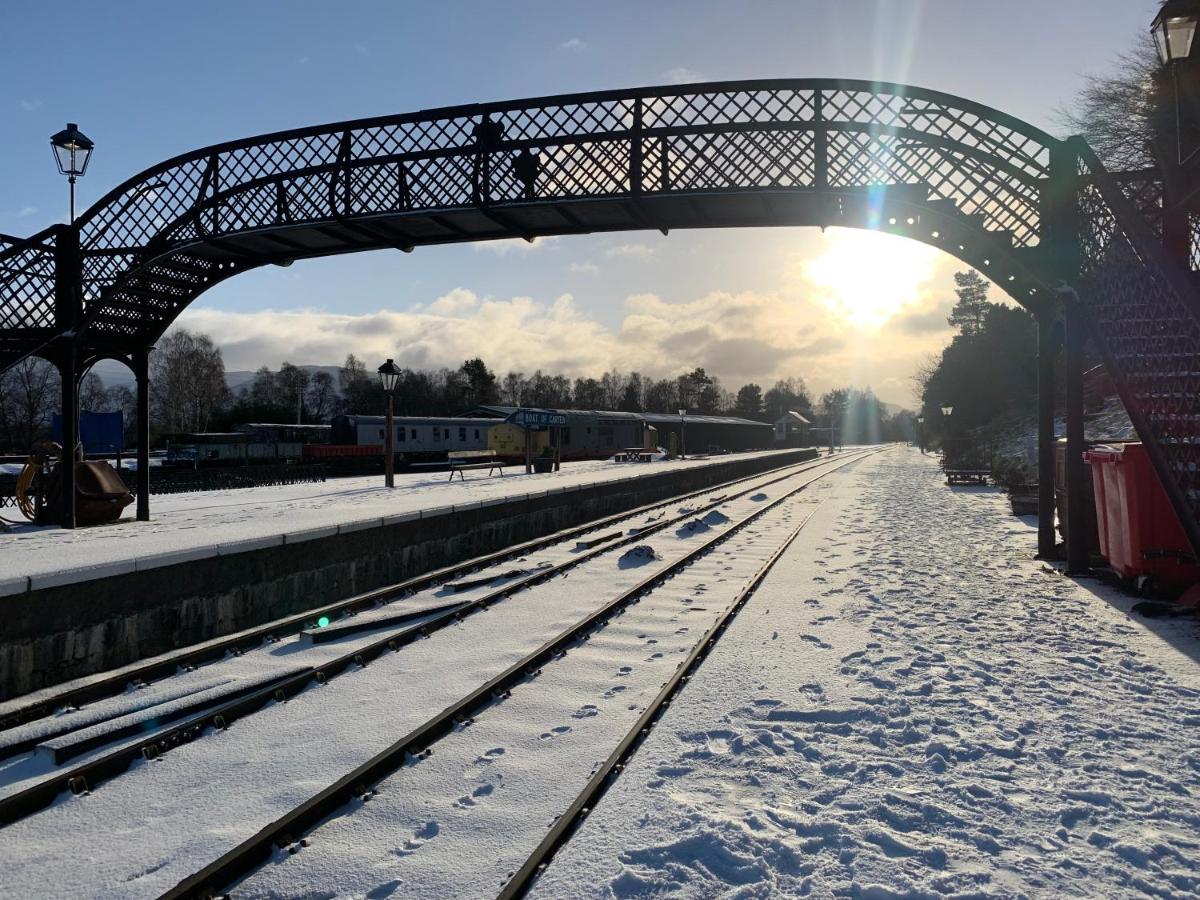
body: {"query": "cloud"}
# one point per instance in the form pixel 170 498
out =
pixel 633 251
pixel 574 45
pixel 26 211
pixel 682 75
pixel 30 105
pixel 505 246
pixel 584 268
pixel 304 60
pixel 743 336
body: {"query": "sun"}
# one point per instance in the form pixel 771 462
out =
pixel 865 278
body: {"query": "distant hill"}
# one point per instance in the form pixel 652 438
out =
pixel 113 374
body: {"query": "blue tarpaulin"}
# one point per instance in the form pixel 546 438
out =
pixel 99 432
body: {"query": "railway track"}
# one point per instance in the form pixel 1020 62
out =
pixel 289 832
pixel 206 716
pixel 167 665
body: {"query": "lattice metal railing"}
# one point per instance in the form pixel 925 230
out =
pixel 1145 319
pixel 747 136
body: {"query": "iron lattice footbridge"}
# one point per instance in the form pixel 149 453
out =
pixel 1024 208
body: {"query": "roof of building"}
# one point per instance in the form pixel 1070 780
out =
pixel 652 418
pixel 673 418
pixel 792 416
pixel 506 411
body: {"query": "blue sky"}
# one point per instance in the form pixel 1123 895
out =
pixel 150 80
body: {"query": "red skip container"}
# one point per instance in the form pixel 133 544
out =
pixel 1140 534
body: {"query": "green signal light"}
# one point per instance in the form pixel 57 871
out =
pixel 323 622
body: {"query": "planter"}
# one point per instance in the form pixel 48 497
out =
pixel 1024 500
pixel 543 464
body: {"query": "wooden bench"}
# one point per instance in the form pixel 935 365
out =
pixel 634 454
pixel 461 460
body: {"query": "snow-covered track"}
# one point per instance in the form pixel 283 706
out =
pixel 415 625
pixel 166 665
pixel 566 824
pixel 287 832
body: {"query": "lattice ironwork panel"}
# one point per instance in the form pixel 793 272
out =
pixel 782 135
pixel 27 285
pixel 743 159
pixel 1149 325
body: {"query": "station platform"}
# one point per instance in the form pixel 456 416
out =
pixel 210 564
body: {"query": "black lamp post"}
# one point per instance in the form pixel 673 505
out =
pixel 1177 120
pixel 921 433
pixel 683 434
pixel 72 151
pixel 389 376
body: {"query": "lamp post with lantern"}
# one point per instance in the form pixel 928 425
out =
pixel 72 152
pixel 921 433
pixel 1177 121
pixel 683 434
pixel 389 377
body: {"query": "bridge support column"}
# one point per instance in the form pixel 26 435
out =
pixel 68 370
pixel 1047 350
pixel 1078 561
pixel 68 311
pixel 141 372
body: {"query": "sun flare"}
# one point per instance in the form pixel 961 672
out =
pixel 865 278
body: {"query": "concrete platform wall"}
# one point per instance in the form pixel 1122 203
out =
pixel 63 632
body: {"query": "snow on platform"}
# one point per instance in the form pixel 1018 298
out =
pixel 911 706
pixel 212 523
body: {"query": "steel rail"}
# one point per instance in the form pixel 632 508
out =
pixel 83 778
pixel 163 667
pixel 566 824
pixel 287 830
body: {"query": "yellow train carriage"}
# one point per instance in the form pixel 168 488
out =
pixel 508 441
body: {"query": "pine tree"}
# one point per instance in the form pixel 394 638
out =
pixel 972 307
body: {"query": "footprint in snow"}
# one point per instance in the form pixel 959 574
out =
pixel 426 832
pixel 554 732
pixel 613 691
pixel 490 757
pixel 586 711
pixel 466 802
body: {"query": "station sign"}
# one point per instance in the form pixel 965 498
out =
pixel 531 418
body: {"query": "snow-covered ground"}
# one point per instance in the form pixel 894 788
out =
pixel 910 706
pixel 176 814
pixel 189 526
pixel 913 707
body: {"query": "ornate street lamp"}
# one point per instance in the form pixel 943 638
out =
pixel 1174 32
pixel 683 434
pixel 72 151
pixel 389 377
pixel 921 433
pixel 947 410
pixel 1174 29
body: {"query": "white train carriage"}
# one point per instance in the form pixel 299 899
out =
pixel 416 438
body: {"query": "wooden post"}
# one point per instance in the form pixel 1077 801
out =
pixel 1077 543
pixel 1047 350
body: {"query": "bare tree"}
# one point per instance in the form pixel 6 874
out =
pixel 321 396
pixel 30 395
pixel 1116 112
pixel 92 395
pixel 293 384
pixel 513 388
pixel 187 381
